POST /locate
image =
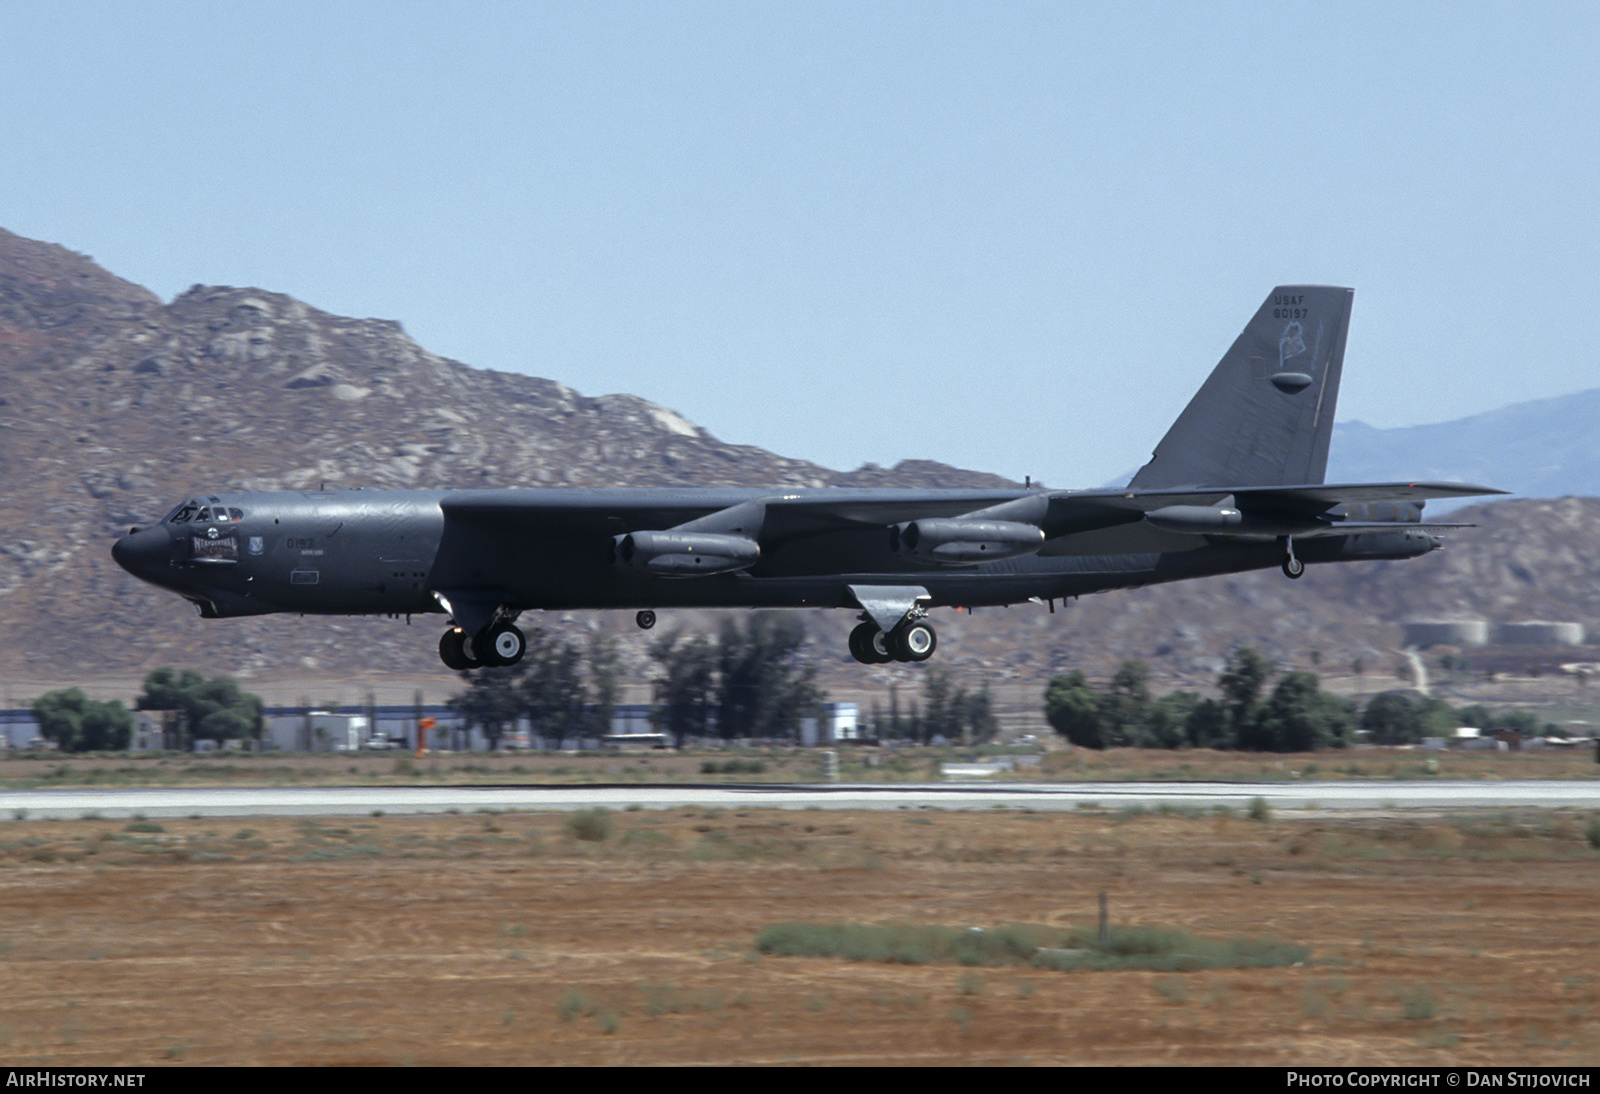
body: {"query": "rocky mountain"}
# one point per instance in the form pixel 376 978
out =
pixel 114 405
pixel 1548 448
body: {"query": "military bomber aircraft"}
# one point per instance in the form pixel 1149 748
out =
pixel 1236 484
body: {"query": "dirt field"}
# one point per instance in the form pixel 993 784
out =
pixel 508 939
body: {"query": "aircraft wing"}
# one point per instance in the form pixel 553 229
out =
pixel 777 516
pixel 569 512
pixel 1322 496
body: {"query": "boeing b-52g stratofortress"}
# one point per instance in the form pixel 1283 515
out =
pixel 1236 484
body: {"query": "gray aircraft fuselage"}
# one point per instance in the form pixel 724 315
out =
pixel 1236 484
pixel 355 552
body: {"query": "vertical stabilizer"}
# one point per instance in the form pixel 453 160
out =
pixel 1265 415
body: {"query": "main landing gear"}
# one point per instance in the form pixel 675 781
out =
pixel 497 645
pixel 912 640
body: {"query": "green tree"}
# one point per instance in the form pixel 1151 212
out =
pixel 1241 684
pixel 551 685
pixel 1499 721
pixel 1075 710
pixel 942 701
pixel 977 715
pixel 77 723
pixel 683 691
pixel 1208 725
pixel 953 713
pixel 1168 723
pixel 894 724
pixel 1524 722
pixel 1391 718
pixel 1301 717
pixel 196 708
pixel 1127 706
pixel 492 702
pixel 605 675
pixel 875 723
pixel 1402 717
pixel 762 689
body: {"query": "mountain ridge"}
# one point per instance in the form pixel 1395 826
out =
pixel 1542 448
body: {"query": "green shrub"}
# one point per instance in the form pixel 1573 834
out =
pixel 732 767
pixel 592 825
pixel 1159 948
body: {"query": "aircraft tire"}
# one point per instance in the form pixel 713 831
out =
pixel 502 645
pixel 913 642
pixel 453 651
pixel 1293 568
pixel 646 619
pixel 859 638
pixel 869 645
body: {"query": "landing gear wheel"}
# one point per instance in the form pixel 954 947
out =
pixel 453 651
pixel 869 645
pixel 646 619
pixel 913 642
pixel 503 645
pixel 1292 567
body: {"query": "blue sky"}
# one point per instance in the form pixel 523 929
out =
pixel 1009 236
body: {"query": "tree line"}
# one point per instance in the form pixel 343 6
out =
pixel 747 681
pixel 947 711
pixel 1296 715
pixel 564 689
pixel 189 706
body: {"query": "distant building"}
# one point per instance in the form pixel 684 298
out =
pixel 840 722
pixel 1422 633
pixel 1539 632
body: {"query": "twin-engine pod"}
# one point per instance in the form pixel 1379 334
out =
pixel 684 554
pixel 954 542
pixel 1197 519
pixel 1225 520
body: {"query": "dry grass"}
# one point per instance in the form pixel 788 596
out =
pixel 508 939
pixel 784 765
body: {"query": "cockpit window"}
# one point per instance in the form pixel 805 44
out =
pixel 203 514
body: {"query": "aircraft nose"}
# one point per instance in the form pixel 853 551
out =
pixel 142 551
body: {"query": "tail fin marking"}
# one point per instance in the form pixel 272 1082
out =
pixel 1265 415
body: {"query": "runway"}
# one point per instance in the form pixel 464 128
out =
pixel 1296 799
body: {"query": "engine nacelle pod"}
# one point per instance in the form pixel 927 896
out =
pixel 953 542
pixel 684 554
pixel 1197 520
